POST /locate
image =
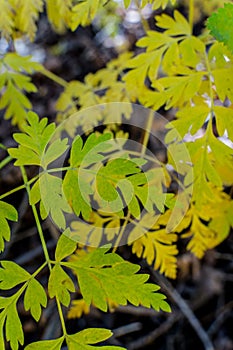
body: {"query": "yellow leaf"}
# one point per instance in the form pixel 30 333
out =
pixel 177 26
pixel 6 19
pixel 59 14
pixel 78 308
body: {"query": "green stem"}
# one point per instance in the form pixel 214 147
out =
pixel 61 316
pixel 44 246
pixel 147 132
pixel 191 14
pixel 54 77
pixel 3 147
pixel 21 187
pixel 127 219
pixel 22 289
pixel 36 216
pixel 5 161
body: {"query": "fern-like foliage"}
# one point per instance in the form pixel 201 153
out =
pixel 194 79
pixel 79 341
pixel 115 195
pixel 158 3
pixel 15 82
pixel 99 88
pixel 96 268
pixel 7 212
pixel 11 275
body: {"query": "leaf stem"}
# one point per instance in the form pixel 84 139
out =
pixel 21 187
pixel 3 147
pixel 54 77
pixel 43 243
pixel 127 219
pixel 16 296
pixel 5 161
pixel 147 132
pixel 61 316
pixel 36 216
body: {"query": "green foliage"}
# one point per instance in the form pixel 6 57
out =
pixel 11 275
pixel 79 341
pixel 15 83
pixel 158 3
pixel 110 191
pixel 7 212
pixel 110 276
pixel 220 22
pixel 32 143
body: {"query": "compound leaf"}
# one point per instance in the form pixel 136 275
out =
pixel 7 212
pixel 89 153
pixel 59 14
pixel 54 344
pixel 158 3
pixel 14 82
pixel 84 12
pixel 83 339
pixel 113 278
pixel 65 246
pixel 11 274
pixel 34 298
pixel 33 141
pixel 6 19
pixel 60 285
pixel 115 175
pixel 156 245
pixel 177 26
pixel 82 156
pixel 14 329
pixel 48 190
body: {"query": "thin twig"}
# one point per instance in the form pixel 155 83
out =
pixel 126 329
pixel 149 338
pixel 185 309
pixel 220 319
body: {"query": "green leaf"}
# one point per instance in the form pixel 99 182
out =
pixel 12 274
pixel 16 84
pixel 110 277
pixel 14 330
pixel 109 175
pixel 177 26
pixel 179 89
pixel 81 340
pixel 79 200
pixel 224 120
pixel 82 156
pixel 60 285
pixel 89 153
pixel 7 212
pixel 48 190
pixel 157 3
pixel 21 63
pixel 54 344
pixel 33 141
pixel 189 119
pixel 34 298
pixel 78 341
pixel 65 246
pixel 54 151
pixel 84 12
pixel 220 24
pixel 127 3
